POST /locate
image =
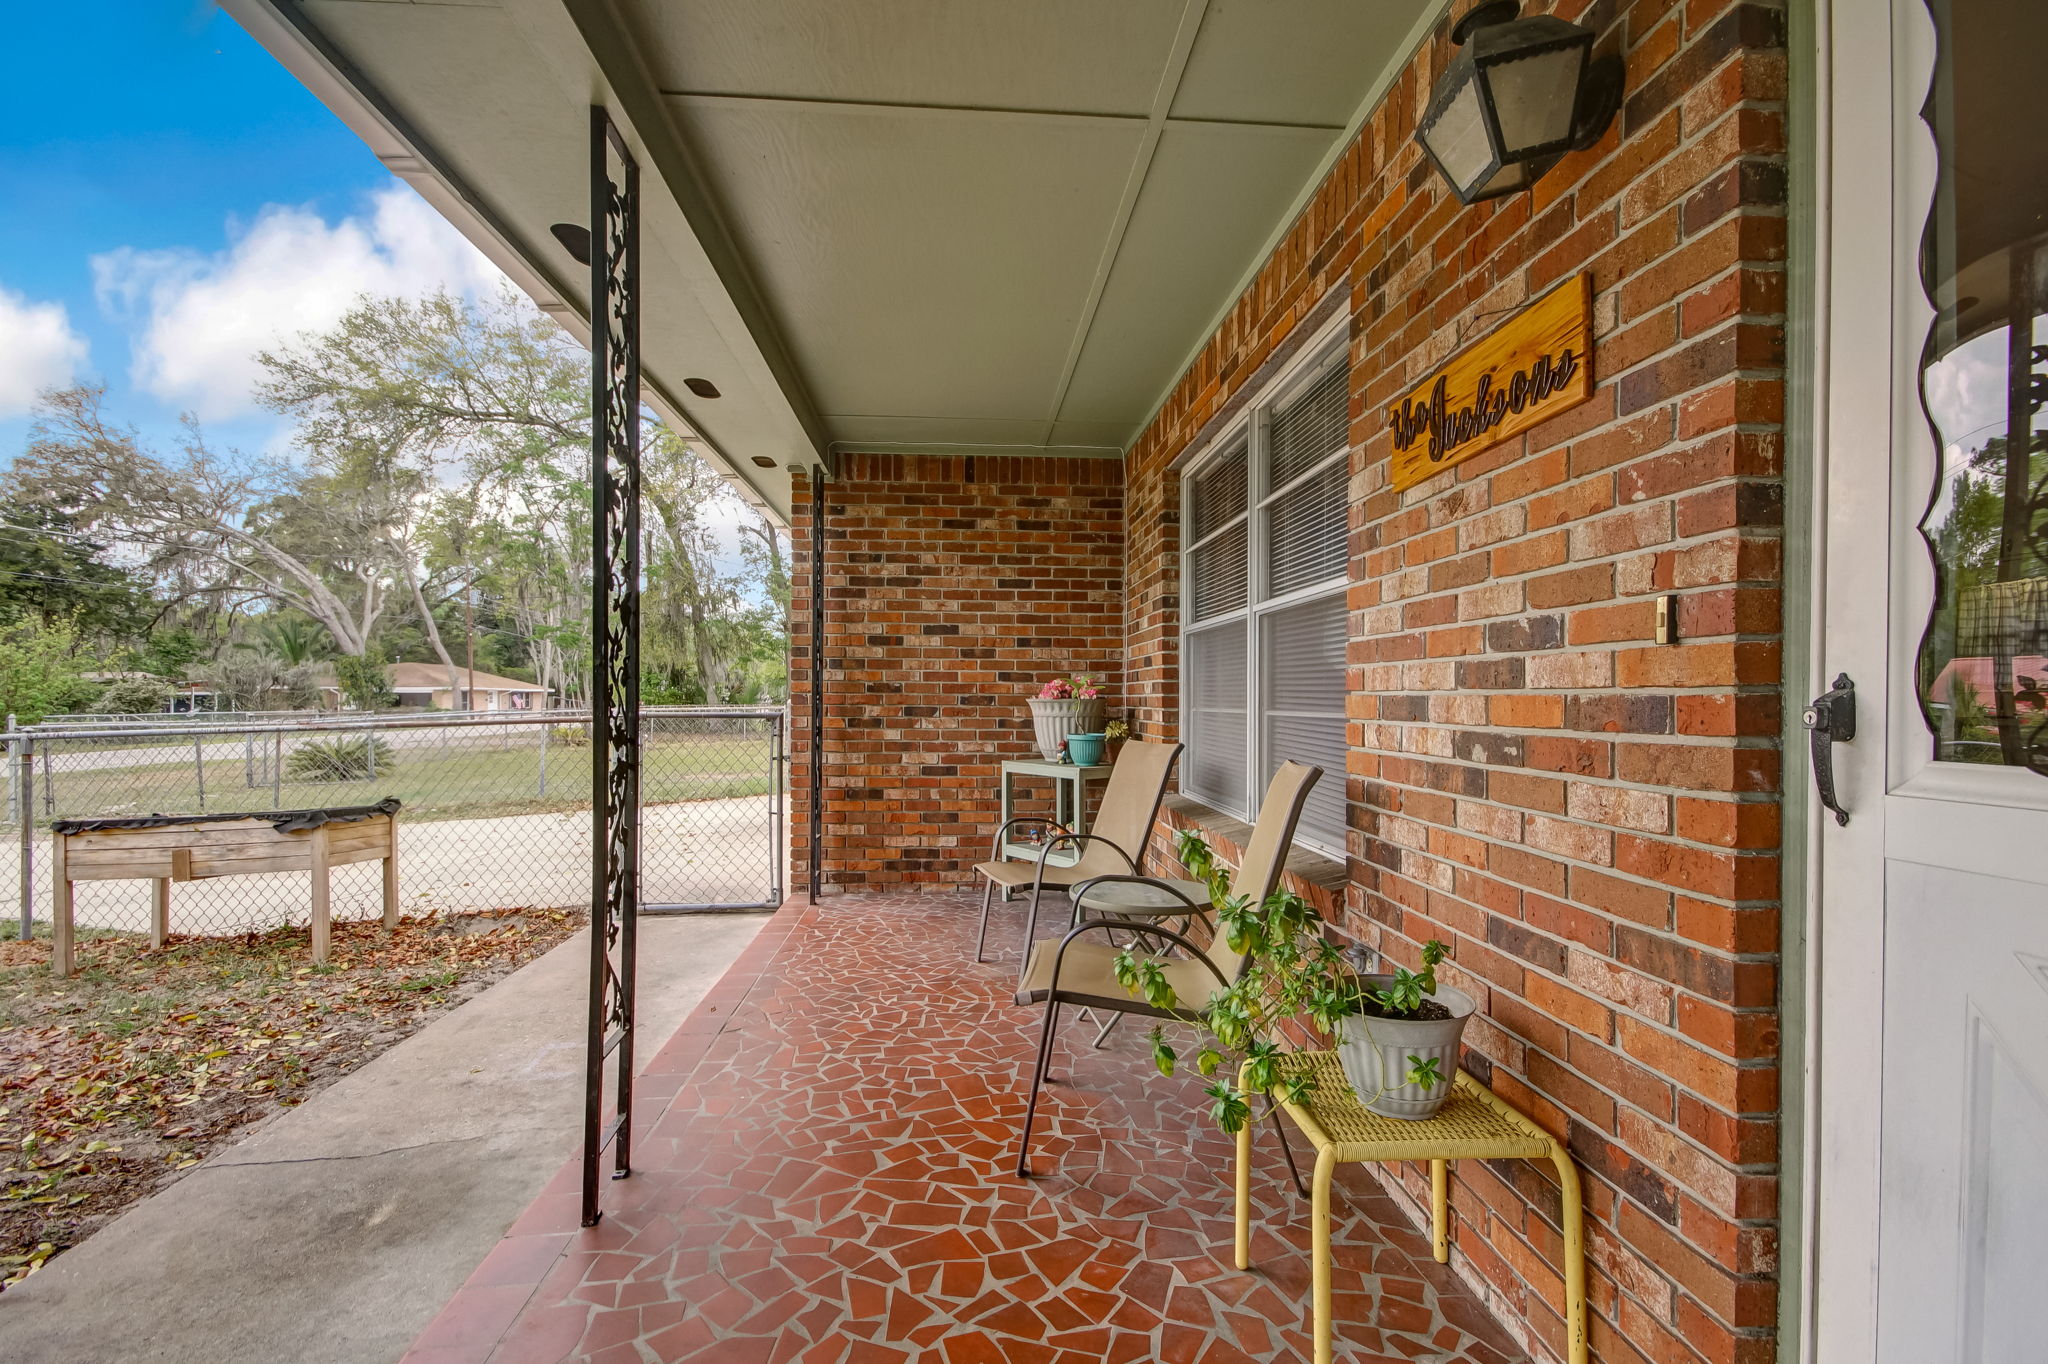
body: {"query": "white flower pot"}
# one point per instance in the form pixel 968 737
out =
pixel 1376 1052
pixel 1055 720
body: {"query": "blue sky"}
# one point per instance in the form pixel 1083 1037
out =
pixel 174 199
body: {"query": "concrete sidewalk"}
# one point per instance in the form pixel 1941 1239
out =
pixel 335 1232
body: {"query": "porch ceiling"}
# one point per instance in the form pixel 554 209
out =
pixel 909 225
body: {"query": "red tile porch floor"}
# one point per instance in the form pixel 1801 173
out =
pixel 824 1174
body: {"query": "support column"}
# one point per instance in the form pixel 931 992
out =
pixel 615 670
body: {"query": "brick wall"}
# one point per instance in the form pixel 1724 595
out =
pixel 953 587
pixel 1589 819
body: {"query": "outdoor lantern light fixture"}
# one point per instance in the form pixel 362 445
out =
pixel 1518 96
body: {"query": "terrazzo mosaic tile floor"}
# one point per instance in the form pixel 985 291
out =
pixel 824 1176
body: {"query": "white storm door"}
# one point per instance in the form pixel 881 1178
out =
pixel 1930 1167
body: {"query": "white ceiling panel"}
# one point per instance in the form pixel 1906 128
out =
pixel 884 433
pixel 921 264
pixel 1215 194
pixel 1292 61
pixel 1061 55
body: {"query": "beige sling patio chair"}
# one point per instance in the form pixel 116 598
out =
pixel 1114 843
pixel 1083 974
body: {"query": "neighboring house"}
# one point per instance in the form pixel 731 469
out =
pixel 1980 674
pixel 425 685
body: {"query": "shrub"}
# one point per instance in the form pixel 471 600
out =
pixel 134 696
pixel 574 736
pixel 365 683
pixel 39 671
pixel 340 760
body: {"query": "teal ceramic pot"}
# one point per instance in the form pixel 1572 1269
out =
pixel 1085 750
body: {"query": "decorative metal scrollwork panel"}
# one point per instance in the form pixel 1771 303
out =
pixel 615 625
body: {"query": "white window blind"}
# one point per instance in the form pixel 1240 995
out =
pixel 1213 664
pixel 1301 656
pixel 1265 625
pixel 1218 492
pixel 1305 538
pixel 1310 426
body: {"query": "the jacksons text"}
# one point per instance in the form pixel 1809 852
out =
pixel 1448 429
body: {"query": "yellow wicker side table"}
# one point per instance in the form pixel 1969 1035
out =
pixel 1473 1124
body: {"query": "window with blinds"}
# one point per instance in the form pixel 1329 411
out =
pixel 1265 626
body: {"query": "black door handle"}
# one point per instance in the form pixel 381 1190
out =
pixel 1831 720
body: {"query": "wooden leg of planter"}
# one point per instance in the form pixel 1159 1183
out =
pixel 322 929
pixel 159 912
pixel 60 908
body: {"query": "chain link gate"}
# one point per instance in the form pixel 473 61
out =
pixel 495 809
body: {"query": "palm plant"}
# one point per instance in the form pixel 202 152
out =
pixel 291 640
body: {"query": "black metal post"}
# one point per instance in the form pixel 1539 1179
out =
pixel 615 662
pixel 817 841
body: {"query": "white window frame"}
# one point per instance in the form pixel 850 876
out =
pixel 1329 346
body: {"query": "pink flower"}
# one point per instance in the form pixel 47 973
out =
pixel 1087 693
pixel 1056 690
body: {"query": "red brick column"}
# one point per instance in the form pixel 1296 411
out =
pixel 1590 819
pixel 954 586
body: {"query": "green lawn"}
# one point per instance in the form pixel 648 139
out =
pixel 470 776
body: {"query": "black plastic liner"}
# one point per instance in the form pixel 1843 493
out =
pixel 284 821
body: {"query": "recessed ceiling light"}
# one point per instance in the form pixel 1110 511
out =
pixel 764 461
pixel 575 239
pixel 703 388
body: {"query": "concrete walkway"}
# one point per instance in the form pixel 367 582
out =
pixel 335 1232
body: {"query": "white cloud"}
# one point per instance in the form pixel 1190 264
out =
pixel 200 319
pixel 38 350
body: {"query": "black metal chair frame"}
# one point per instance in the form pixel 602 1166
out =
pixel 1038 883
pixel 1041 1067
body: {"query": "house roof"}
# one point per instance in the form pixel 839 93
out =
pixel 434 677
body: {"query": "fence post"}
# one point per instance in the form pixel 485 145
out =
pixel 49 784
pixel 199 768
pixel 277 771
pixel 370 753
pixel 27 766
pixel 14 806
pixel 544 760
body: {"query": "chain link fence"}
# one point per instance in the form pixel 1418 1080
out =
pixel 495 809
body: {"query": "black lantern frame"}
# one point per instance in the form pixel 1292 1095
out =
pixel 1489 39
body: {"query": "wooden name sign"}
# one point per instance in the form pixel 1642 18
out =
pixel 1532 368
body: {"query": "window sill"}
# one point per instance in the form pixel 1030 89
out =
pixel 1314 868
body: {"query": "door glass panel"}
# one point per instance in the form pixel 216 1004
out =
pixel 1983 666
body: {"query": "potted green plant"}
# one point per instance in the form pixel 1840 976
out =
pixel 1065 706
pixel 1113 735
pixel 1297 980
pixel 1399 1045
